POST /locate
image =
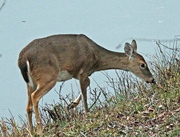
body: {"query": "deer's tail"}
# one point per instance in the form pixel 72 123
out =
pixel 22 63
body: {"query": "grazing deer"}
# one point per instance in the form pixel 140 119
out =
pixel 61 57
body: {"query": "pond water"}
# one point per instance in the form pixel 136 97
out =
pixel 107 23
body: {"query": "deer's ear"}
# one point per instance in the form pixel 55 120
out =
pixel 134 45
pixel 128 49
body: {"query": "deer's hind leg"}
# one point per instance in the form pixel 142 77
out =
pixel 29 108
pixel 46 80
pixel 45 74
pixel 36 96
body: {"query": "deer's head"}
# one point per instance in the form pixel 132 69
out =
pixel 137 63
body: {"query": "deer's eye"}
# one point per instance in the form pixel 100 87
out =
pixel 143 66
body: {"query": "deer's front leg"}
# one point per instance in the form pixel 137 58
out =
pixel 84 83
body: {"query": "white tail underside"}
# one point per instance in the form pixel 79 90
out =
pixel 30 83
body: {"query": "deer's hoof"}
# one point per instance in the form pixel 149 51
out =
pixel 72 105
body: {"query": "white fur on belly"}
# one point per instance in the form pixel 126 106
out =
pixel 64 75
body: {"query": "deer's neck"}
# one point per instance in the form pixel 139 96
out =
pixel 112 60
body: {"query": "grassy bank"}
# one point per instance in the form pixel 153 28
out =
pixel 130 108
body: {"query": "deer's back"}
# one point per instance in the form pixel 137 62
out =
pixel 66 52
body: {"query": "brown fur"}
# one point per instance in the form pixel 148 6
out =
pixel 49 56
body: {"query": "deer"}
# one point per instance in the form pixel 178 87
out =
pixel 45 61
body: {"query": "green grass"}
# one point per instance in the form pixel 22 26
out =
pixel 130 108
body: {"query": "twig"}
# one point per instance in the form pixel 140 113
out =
pixel 51 113
pixel 152 99
pixel 145 40
pixel 83 134
pixel 28 132
pixel 95 100
pixel 159 43
pixel 3 5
